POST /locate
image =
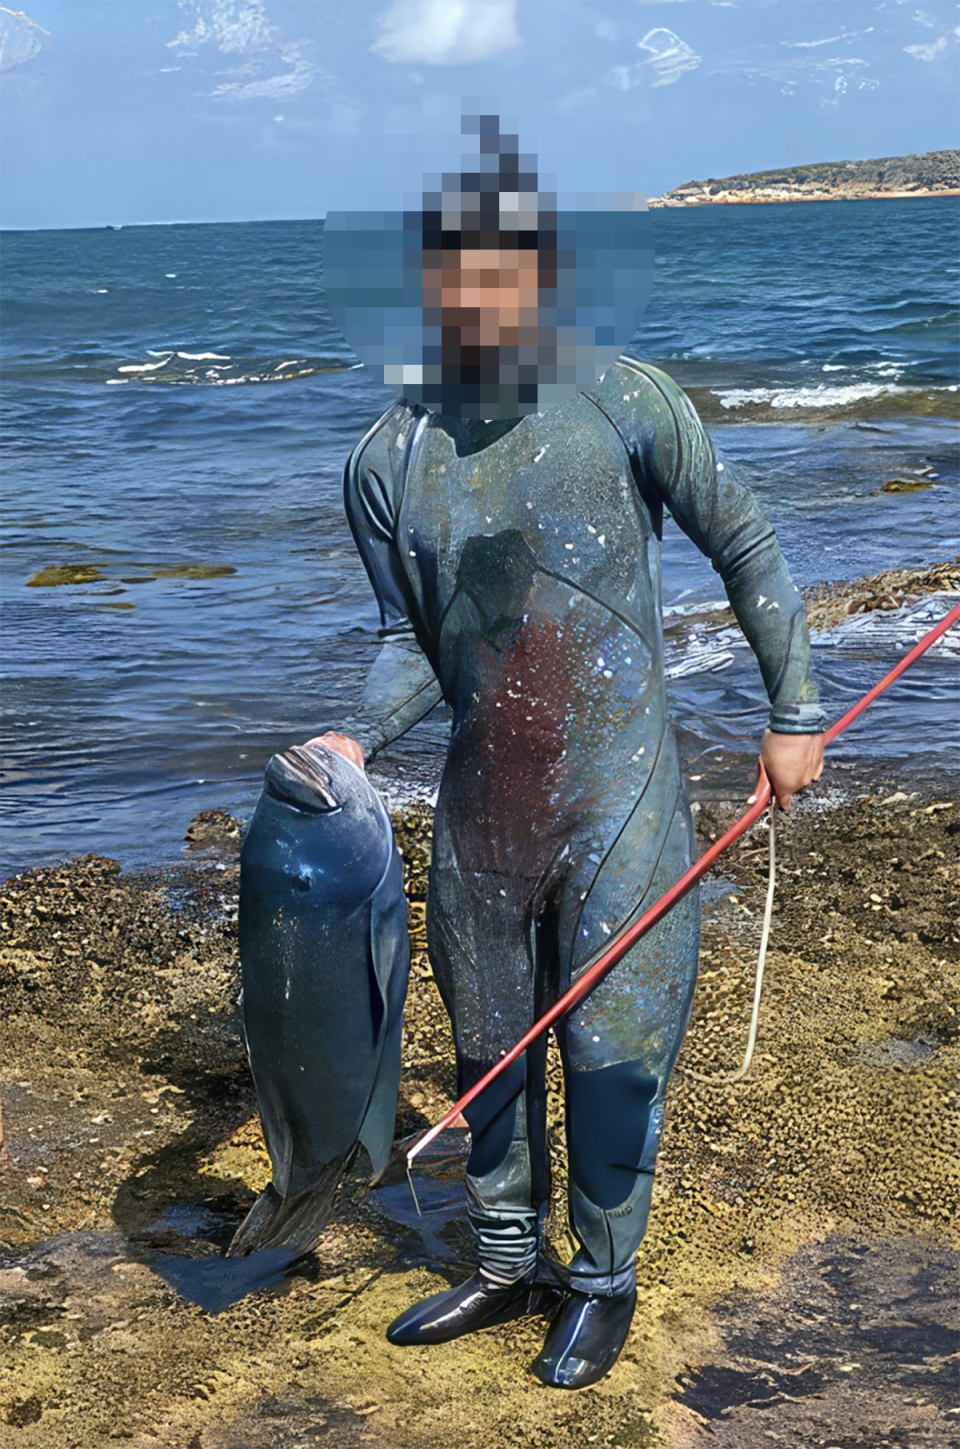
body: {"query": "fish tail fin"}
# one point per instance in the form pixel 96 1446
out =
pixel 288 1222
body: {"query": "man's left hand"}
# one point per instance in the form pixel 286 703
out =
pixel 791 762
pixel 343 745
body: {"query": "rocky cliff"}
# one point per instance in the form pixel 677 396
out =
pixel 934 173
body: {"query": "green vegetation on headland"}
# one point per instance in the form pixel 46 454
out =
pixel 933 173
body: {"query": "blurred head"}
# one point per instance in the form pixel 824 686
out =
pixel 480 299
pixel 489 275
pixel 487 296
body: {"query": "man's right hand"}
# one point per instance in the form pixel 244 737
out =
pixel 343 745
pixel 791 763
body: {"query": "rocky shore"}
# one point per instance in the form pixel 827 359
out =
pixel 794 1283
pixel 932 173
pixel 829 604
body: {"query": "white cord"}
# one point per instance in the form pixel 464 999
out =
pixel 724 1079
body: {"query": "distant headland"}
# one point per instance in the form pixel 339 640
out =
pixel 934 173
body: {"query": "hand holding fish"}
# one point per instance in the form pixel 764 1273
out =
pixel 343 745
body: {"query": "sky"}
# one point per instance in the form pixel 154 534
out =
pixel 136 111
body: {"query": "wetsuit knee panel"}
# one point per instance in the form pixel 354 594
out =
pixel 608 1116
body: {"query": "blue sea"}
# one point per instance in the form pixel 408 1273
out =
pixel 177 407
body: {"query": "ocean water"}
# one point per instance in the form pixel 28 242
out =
pixel 177 408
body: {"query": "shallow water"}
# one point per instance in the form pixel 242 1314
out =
pixel 231 615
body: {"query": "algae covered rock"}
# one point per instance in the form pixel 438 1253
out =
pixel 197 571
pixel 49 578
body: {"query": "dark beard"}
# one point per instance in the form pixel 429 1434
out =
pixel 473 387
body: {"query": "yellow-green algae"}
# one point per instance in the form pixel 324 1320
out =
pixel 907 485
pixel 122 1022
pixel 56 574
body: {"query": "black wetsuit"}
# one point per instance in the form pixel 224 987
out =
pixel 517 566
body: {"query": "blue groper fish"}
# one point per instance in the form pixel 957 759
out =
pixel 325 956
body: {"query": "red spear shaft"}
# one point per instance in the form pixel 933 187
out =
pixel 621 944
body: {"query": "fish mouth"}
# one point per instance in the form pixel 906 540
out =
pixel 300 777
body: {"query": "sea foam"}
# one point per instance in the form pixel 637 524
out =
pixel 143 366
pixel 820 396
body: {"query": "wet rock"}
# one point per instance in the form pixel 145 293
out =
pixel 828 604
pixel 817 1353
pixel 898 1052
pixel 213 827
pixel 56 574
pixel 21 1412
pixel 906 485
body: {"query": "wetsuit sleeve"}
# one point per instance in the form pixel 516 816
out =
pixel 401 687
pixel 673 453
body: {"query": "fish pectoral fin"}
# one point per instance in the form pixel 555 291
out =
pixel 390 959
pixel 389 932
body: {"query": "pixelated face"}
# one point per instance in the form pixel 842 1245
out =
pixel 490 294
pixel 485 300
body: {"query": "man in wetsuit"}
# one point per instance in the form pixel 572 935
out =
pixel 517 568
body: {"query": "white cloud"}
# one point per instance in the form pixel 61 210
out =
pixel 846 73
pixel 669 55
pixel 927 52
pixel 276 87
pixel 828 40
pixel 838 74
pixel 241 28
pixel 20 37
pixel 839 60
pixel 447 32
pixel 234 25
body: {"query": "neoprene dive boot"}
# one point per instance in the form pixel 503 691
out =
pixel 473 1305
pixel 585 1339
pixel 503 1288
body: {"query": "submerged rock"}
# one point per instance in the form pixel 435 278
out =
pixel 907 485
pixel 49 578
pixel 197 571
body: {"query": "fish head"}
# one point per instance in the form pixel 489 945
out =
pixel 307 777
pixel 318 816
